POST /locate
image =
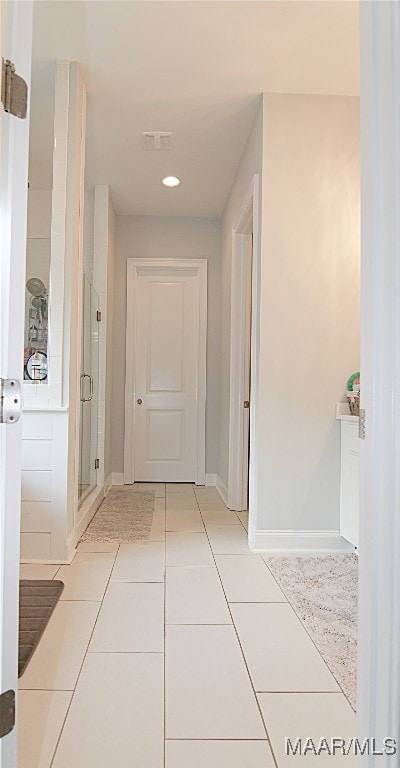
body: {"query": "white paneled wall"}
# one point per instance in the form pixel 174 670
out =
pixel 58 231
pixel 46 220
pixel 49 413
pixel 43 510
pixel 51 520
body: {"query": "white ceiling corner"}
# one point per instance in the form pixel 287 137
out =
pixel 196 68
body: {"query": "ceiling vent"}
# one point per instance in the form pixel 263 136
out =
pixel 156 141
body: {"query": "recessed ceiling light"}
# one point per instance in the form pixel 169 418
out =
pixel 171 181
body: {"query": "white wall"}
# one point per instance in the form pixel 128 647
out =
pixel 250 164
pixel 309 335
pixel 38 243
pixel 162 237
pixel 88 235
pixel 39 213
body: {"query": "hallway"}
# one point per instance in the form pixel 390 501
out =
pixel 240 672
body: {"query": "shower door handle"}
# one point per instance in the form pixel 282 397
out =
pixel 83 377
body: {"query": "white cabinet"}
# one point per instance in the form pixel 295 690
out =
pixel 349 478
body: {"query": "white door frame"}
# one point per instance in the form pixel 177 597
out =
pixel 379 587
pixel 133 266
pixel 15 44
pixel 244 329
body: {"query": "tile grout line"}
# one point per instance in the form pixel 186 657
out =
pixel 83 661
pixel 240 646
pixel 303 693
pixel 240 741
pixel 241 523
pixel 261 741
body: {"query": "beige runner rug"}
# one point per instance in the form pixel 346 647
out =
pixel 125 514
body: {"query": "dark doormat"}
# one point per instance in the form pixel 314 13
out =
pixel 37 600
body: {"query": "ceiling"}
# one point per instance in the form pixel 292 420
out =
pixel 196 68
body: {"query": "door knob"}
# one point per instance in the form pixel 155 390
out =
pixel 140 401
pixel 246 404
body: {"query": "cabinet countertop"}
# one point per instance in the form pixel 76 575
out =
pixel 343 413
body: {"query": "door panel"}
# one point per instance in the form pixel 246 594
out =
pixel 166 350
pixel 165 312
pixel 165 435
pixel 16 45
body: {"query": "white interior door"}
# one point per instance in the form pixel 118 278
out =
pixel 166 371
pixel 16 45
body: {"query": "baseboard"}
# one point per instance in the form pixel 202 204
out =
pixel 211 480
pixel 117 478
pixel 222 489
pixel 298 541
pixel 108 484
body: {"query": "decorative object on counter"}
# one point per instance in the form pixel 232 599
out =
pixel 353 393
pixel 353 399
pixel 353 380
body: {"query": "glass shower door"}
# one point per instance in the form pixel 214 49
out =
pixel 89 392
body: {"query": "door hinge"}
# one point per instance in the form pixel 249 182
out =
pixel 97 463
pixel 7 712
pixel 246 404
pixel 361 424
pixel 10 401
pixel 99 316
pixel 14 90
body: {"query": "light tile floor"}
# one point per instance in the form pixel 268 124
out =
pixel 180 653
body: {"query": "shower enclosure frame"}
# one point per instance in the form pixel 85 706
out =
pixel 88 462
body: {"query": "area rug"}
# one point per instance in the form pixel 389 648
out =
pixel 125 515
pixel 37 600
pixel 322 589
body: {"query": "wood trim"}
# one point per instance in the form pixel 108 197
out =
pixel 129 469
pixel 378 703
pixel 240 366
pixel 240 333
pixel 202 374
pixel 200 265
pixel 222 489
